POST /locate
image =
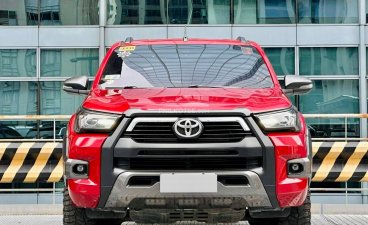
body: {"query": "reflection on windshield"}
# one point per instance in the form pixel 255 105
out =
pixel 127 78
pixel 186 66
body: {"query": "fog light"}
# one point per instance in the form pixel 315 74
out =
pixel 76 169
pixel 80 169
pixel 295 168
pixel 299 168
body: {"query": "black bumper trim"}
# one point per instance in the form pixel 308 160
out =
pixel 112 147
pixel 248 147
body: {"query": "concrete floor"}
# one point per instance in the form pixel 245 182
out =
pixel 57 220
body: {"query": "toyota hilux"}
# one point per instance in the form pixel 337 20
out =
pixel 187 130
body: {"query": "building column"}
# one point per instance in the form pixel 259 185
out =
pixel 102 24
pixel 362 80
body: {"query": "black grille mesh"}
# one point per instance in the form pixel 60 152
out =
pixel 162 132
pixel 231 163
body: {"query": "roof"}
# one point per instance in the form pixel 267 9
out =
pixel 190 41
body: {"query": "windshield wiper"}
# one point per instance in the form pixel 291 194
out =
pixel 129 87
pixel 205 86
pixel 119 87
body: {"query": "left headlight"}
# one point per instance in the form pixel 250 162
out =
pixel 96 122
pixel 279 121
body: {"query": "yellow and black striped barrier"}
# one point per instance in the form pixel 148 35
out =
pixel 340 161
pixel 31 162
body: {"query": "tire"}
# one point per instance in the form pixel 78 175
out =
pixel 298 216
pixel 73 215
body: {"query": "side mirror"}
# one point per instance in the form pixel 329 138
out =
pixel 76 85
pixel 297 85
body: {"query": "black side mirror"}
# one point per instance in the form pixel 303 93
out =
pixel 76 85
pixel 297 85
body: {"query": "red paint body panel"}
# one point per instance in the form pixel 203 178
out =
pixel 118 101
pixel 85 193
pixel 290 191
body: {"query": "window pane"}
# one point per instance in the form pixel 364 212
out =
pixel 329 61
pixel 18 12
pixel 328 11
pixel 332 96
pixel 264 12
pixel 66 12
pixel 366 11
pixel 18 98
pixel 45 130
pixel 367 60
pixel 169 12
pixel 54 101
pixel 68 62
pixel 136 12
pixel 198 12
pixel 282 59
pixel 17 62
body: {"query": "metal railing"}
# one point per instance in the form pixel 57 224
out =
pixel 338 116
pixel 345 189
pixel 55 118
pixel 52 190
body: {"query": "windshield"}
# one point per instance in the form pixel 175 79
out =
pixel 186 65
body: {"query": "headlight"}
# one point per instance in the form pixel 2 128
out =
pixel 96 122
pixel 279 121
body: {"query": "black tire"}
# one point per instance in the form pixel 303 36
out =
pixel 73 215
pixel 298 216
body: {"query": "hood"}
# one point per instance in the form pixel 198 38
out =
pixel 196 99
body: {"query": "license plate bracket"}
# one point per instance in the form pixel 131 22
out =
pixel 188 183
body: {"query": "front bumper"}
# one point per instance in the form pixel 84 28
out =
pixel 106 184
pixel 252 194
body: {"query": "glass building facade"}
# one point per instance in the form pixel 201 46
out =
pixel 44 41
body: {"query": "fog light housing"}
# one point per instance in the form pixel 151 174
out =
pixel 80 169
pixel 76 169
pixel 299 168
pixel 295 168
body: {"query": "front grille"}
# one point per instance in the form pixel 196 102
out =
pixel 162 132
pixel 230 163
pixel 186 153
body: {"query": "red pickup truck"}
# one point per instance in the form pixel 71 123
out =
pixel 187 130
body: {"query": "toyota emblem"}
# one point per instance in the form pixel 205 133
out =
pixel 188 128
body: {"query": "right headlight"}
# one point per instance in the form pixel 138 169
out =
pixel 279 121
pixel 88 121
